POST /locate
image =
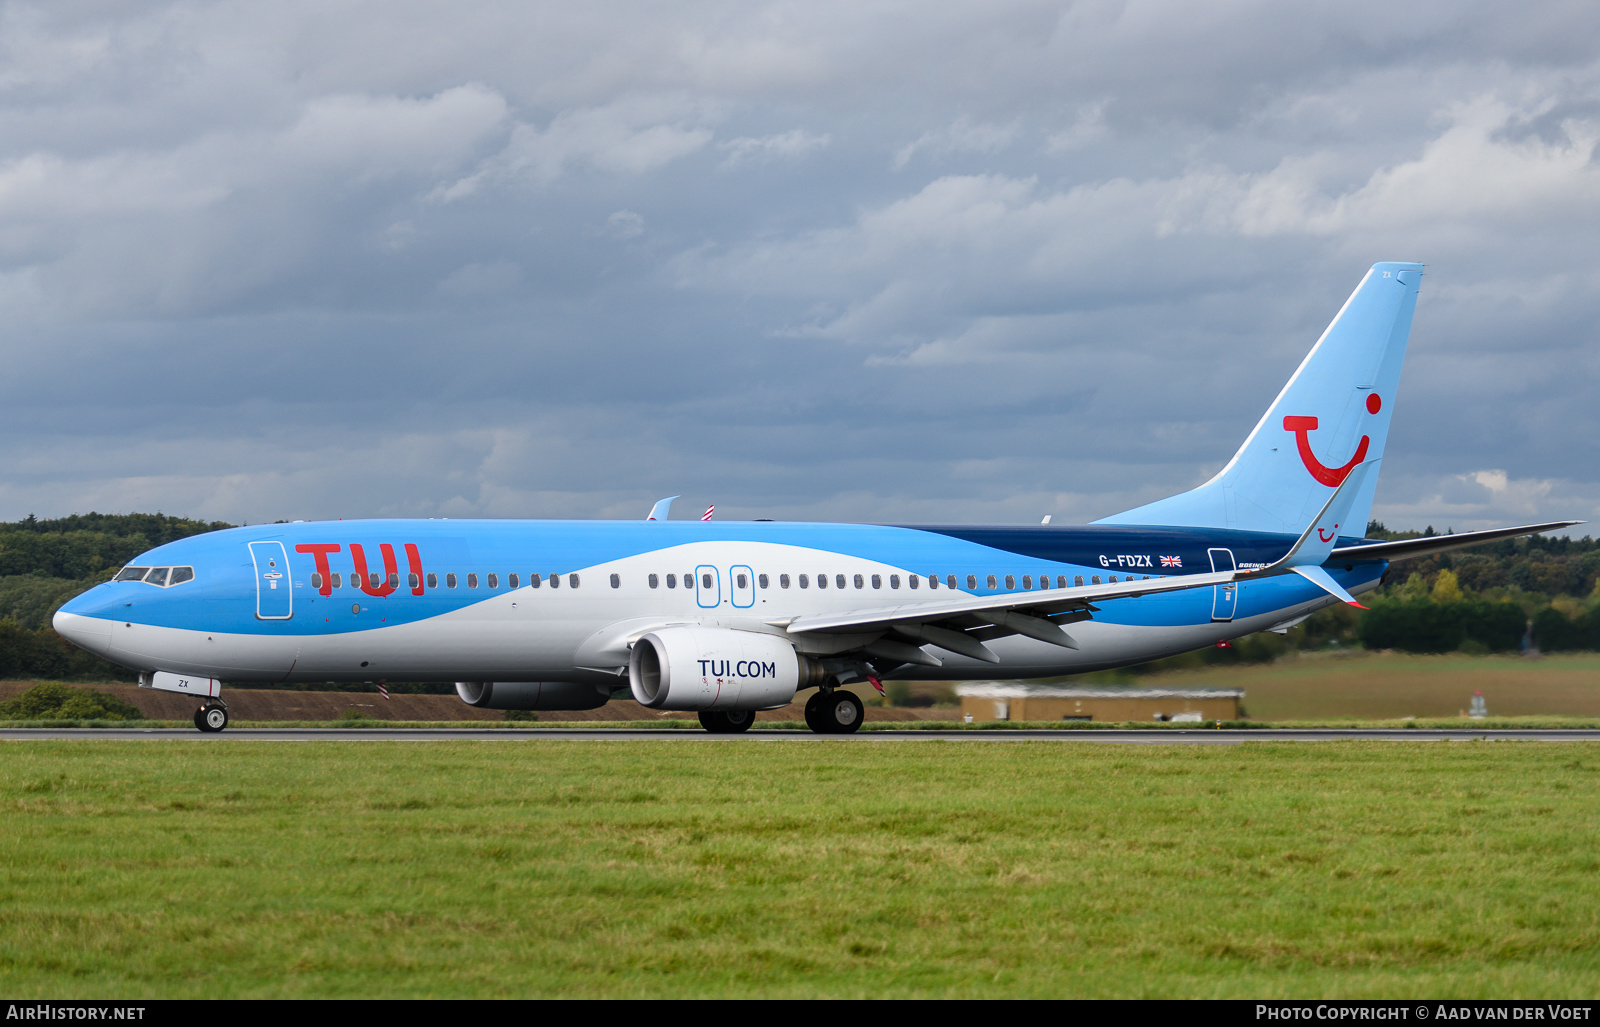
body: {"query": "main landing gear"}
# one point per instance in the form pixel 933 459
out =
pixel 727 722
pixel 212 717
pixel 834 711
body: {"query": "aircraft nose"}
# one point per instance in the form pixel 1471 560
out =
pixel 85 620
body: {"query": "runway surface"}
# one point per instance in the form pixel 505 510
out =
pixel 1166 736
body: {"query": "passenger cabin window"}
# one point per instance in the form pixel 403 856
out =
pixel 761 579
pixel 1011 582
pixel 616 581
pixel 914 580
pixel 992 583
pixel 804 581
pixel 742 580
pixel 1027 582
pixel 1095 579
pixel 433 580
pixel 672 581
pixel 534 581
pixel 822 580
pixel 450 580
pixel 951 581
pixel 972 581
pixel 494 581
pixel 555 581
pixel 316 580
pixel 472 581
pixel 654 580
pixel 511 579
pixel 394 580
pixel 338 580
pixel 705 581
pixel 838 580
pixel 572 581
pixel 133 573
pixel 894 580
pixel 783 581
pixel 1077 581
pixel 859 582
pixel 412 581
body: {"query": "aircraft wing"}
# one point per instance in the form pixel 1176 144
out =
pixel 963 624
pixel 1410 548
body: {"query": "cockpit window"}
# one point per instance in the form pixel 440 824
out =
pixel 163 577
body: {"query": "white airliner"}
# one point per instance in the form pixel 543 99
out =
pixel 728 618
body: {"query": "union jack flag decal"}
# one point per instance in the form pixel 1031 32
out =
pixel 1172 561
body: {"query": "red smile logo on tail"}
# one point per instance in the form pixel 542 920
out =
pixel 1329 476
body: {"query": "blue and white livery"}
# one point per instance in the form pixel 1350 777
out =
pixel 725 618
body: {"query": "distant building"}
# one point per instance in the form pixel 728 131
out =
pixel 1008 700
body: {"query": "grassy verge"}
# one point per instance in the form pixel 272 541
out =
pixel 1439 723
pixel 799 869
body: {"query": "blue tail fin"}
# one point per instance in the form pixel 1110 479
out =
pixel 1331 417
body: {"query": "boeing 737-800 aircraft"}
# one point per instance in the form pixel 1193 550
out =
pixel 725 618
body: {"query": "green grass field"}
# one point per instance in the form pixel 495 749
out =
pixel 638 869
pixel 1358 685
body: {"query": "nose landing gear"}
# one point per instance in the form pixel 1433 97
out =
pixel 212 717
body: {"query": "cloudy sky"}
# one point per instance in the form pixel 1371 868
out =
pixel 838 261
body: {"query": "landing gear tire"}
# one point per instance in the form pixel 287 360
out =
pixel 211 719
pixel 840 713
pixel 199 724
pixel 728 722
pixel 814 713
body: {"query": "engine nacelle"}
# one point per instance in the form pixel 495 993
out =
pixel 717 669
pixel 532 695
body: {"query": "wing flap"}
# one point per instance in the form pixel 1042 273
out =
pixel 1037 604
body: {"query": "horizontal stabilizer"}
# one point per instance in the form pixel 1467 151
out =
pixel 1411 548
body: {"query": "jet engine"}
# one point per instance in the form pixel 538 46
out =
pixel 532 695
pixel 717 669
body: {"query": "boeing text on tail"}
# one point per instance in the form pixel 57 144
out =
pixel 726 618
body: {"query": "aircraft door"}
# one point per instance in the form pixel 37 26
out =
pixel 707 587
pixel 1223 597
pixel 274 586
pixel 742 583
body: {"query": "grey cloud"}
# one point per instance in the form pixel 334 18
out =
pixel 1037 257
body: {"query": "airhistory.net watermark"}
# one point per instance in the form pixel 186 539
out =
pixel 71 1011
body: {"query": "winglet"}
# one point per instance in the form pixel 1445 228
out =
pixel 1316 543
pixel 1321 578
pixel 659 511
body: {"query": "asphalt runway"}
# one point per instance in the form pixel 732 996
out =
pixel 1163 736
